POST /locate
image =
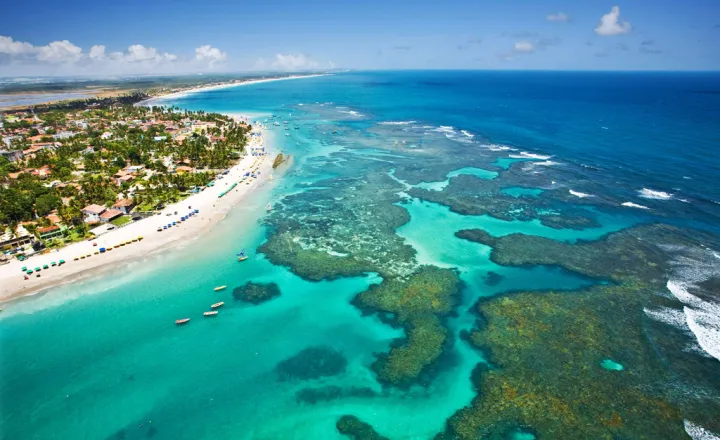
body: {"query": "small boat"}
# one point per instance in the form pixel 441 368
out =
pixel 210 313
pixel 268 207
pixel 241 256
pixel 217 289
pixel 182 321
pixel 217 305
pixel 287 134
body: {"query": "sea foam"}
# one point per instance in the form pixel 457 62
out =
pixel 495 147
pixel 579 194
pixel 396 122
pixel 653 194
pixel 697 432
pixel 634 205
pixel 690 267
pixel 467 133
pixel 526 155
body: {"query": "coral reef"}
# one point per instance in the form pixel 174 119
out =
pixel 356 429
pixel 256 293
pixel 331 392
pixel 546 348
pixel 418 304
pixel 312 363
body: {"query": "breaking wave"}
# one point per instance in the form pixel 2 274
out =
pixel 634 205
pixel 396 122
pixel 690 267
pixel 495 147
pixel 579 194
pixel 526 155
pixel 697 432
pixel 655 195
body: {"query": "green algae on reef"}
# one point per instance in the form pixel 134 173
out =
pixel 469 195
pixel 345 230
pixel 546 348
pixel 627 254
pixel 356 429
pixel 418 304
pixel 312 363
pixel 256 293
pixel 332 392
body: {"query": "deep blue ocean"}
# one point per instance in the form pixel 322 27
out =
pixel 98 359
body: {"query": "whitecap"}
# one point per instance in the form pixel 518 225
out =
pixel 445 129
pixel 467 133
pixel 526 155
pixel 545 163
pixel 634 205
pixel 697 432
pixel 495 147
pixel 396 123
pixel 702 317
pixel 352 113
pixel 579 194
pixel 653 194
pixel 669 316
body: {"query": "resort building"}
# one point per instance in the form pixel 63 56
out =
pixel 21 237
pixel 50 232
pixel 92 213
pixel 109 215
pixel 124 205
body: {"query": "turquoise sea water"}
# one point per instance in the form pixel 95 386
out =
pixel 103 358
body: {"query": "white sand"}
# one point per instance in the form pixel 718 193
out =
pixel 212 209
pixel 224 86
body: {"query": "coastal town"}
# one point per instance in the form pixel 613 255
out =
pixel 70 174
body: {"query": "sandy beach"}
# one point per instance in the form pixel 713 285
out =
pixel 211 207
pixel 225 86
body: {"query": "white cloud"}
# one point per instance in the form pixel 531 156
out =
pixel 10 47
pixel 293 62
pixel 524 47
pixel 97 52
pixel 559 17
pixel 59 52
pixel 137 53
pixel 610 24
pixel 209 54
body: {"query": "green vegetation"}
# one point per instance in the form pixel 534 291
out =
pixel 120 221
pixel 418 304
pixel 356 429
pixel 256 293
pixel 106 149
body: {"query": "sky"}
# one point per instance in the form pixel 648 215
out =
pixel 83 37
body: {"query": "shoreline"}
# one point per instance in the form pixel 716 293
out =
pixel 212 209
pixel 206 88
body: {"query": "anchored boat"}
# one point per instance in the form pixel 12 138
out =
pixel 182 321
pixel 241 256
pixel 217 305
pixel 219 288
pixel 206 314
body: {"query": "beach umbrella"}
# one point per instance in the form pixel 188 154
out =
pixel 24 268
pixel 37 269
pixel 62 261
pixel 45 266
